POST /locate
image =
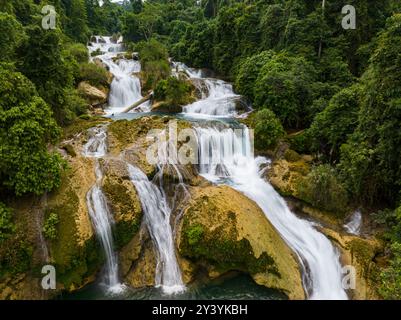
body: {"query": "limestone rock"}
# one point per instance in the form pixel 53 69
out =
pixel 94 95
pixel 223 230
pixel 359 253
pixel 123 200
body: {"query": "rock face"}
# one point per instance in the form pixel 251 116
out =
pixel 123 201
pixel 361 254
pixel 75 253
pixel 285 175
pixel 222 230
pixel 94 96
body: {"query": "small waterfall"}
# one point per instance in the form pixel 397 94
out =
pixel 125 89
pixel 225 156
pixel 157 217
pixel 99 213
pixel 218 97
pixel 355 223
pixel 96 146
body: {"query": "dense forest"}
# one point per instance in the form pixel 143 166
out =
pixel 327 91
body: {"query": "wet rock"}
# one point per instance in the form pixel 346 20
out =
pixel 92 94
pixel 222 230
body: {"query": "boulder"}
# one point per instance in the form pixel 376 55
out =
pixel 92 94
pixel 222 230
pixel 123 201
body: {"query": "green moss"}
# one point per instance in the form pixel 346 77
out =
pixel 126 208
pixel 70 150
pixel 194 234
pixel 50 226
pixel 292 156
pixel 16 255
pixel 73 262
pixel 124 231
pixel 221 248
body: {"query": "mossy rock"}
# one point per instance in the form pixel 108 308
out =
pixel 76 253
pixel 225 231
pixel 123 201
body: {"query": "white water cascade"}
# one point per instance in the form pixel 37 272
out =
pixel 354 225
pixel 157 217
pixel 217 96
pixel 99 212
pixel 226 156
pixel 125 89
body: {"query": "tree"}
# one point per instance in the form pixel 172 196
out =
pixel 284 85
pixel 48 66
pixel 331 128
pixel 11 36
pixel 268 129
pixel 371 159
pixel 26 129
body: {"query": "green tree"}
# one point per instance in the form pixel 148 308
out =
pixel 26 129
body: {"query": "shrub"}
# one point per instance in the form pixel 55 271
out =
pixel 50 226
pixel 95 75
pixel 174 91
pixel 154 61
pixel 7 227
pixel 323 190
pixel 79 52
pixel 268 129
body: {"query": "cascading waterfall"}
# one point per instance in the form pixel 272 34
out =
pixel 218 98
pixel 99 212
pixel 225 156
pixel 125 89
pixel 157 217
pixel 354 224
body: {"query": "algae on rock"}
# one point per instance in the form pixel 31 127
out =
pixel 223 230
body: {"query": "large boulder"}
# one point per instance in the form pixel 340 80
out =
pixel 123 200
pixel 92 94
pixel 222 230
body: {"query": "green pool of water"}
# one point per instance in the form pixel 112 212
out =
pixel 240 287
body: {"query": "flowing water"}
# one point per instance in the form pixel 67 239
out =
pixel 217 96
pixel 354 225
pixel 99 213
pixel 226 156
pixel 125 89
pixel 157 217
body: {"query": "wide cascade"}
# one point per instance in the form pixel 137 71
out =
pixel 125 89
pixel 157 216
pixel 226 156
pixel 99 212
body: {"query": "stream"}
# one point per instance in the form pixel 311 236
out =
pixel 225 157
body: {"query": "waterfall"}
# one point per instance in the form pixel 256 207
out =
pixel 225 156
pixel 218 98
pixel 157 217
pixel 125 89
pixel 355 223
pixel 99 212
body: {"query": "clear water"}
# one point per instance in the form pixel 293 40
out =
pixel 240 287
